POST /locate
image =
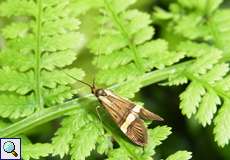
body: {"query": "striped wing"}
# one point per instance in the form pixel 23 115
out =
pixel 145 114
pixel 127 115
pixel 137 132
pixel 117 107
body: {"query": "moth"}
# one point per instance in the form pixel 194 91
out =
pixel 127 115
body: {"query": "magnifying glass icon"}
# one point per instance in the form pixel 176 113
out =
pixel 9 147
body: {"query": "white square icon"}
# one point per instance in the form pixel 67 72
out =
pixel 10 148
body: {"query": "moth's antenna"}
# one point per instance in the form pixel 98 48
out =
pixel 84 82
pixel 94 81
pixel 80 80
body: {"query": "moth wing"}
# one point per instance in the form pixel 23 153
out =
pixel 145 114
pixel 137 132
pixel 118 109
pixel 119 101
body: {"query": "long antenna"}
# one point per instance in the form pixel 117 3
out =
pixel 79 80
pixel 83 82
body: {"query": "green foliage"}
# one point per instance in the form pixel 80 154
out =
pixel 201 31
pixel 180 155
pixel 37 49
pixel 123 46
pixel 36 150
pixel 42 40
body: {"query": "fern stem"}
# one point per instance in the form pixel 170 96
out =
pixel 38 94
pixel 54 112
pixel 125 34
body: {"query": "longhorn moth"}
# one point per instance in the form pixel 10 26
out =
pixel 127 115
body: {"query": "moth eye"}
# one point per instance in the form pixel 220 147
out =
pixel 101 92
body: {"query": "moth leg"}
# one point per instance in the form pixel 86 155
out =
pixel 98 114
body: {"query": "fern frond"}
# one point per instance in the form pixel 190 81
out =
pixel 216 73
pixel 64 135
pixel 156 136
pixel 36 151
pixel 104 144
pixel 222 129
pixel 206 62
pixel 38 48
pixel 180 155
pixel 124 48
pixel 118 154
pixel 58 59
pixel 207 108
pixel 128 90
pixel 191 98
pixel 15 106
pixel 79 151
pixel 60 77
pixel 200 39
pixel 209 81
pixel 58 95
pixel 130 151
pixel 19 82
pixel 21 61
pixel 26 8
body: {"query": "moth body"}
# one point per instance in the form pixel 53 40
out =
pixel 127 115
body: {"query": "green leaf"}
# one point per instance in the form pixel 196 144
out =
pixel 104 144
pixel 58 95
pixel 15 30
pixel 207 108
pixel 64 135
pixel 161 14
pixel 191 98
pixel 206 62
pixel 15 106
pixel 8 8
pixel 129 89
pixel 224 83
pixel 82 143
pixel 118 154
pixel 40 39
pixel 216 73
pixel 192 30
pixel 36 151
pixel 156 136
pixel 22 61
pixel 221 28
pixel 222 128
pixel 58 59
pixel 11 80
pixel 207 6
pixel 52 79
pixel 195 50
pixel 180 155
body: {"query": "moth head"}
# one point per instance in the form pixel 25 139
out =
pixel 99 92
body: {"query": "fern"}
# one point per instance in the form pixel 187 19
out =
pixel 180 155
pixel 205 41
pixel 124 47
pixel 37 49
pixel 41 43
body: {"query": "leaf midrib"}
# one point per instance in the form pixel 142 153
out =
pixel 38 94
